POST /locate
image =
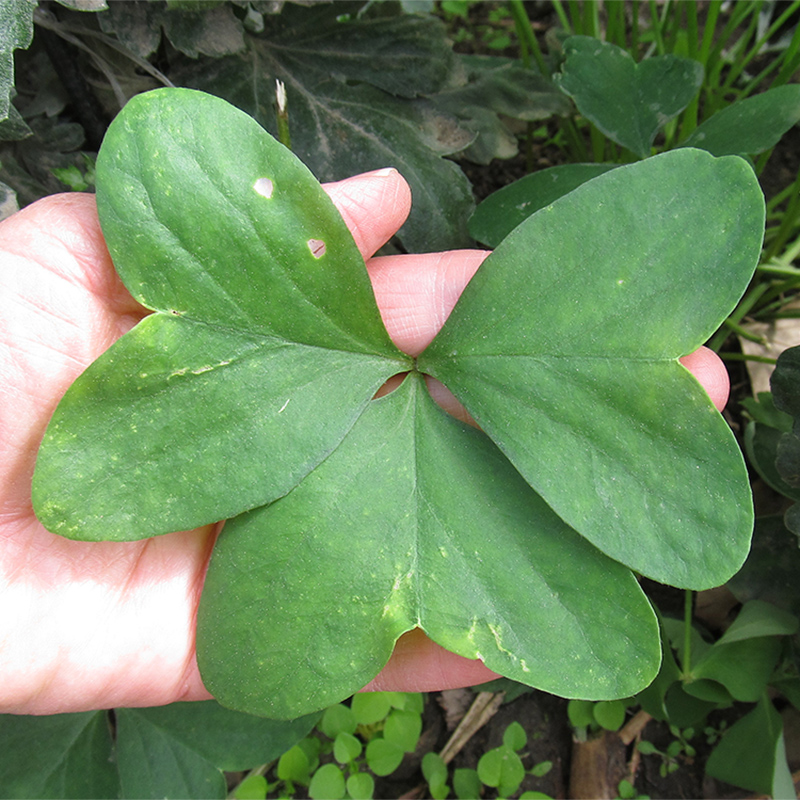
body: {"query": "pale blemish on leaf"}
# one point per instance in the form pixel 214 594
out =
pixel 264 187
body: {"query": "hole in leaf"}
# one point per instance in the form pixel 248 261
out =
pixel 390 385
pixel 317 247
pixel 264 187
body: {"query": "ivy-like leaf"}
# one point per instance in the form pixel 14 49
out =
pixel 250 386
pixel 628 102
pixel 564 349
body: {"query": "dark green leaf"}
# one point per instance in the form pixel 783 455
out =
pixel 770 572
pixel 742 667
pixel 750 126
pixel 339 128
pixel 214 31
pixel 752 754
pixel 180 750
pixel 506 208
pixel 761 446
pixel 408 551
pixel 628 102
pixel 785 381
pixel 16 31
pixel 154 764
pixel 60 756
pixel 591 394
pixel 164 393
pixel 757 619
pixel 228 739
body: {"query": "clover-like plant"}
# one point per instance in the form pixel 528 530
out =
pixel 248 394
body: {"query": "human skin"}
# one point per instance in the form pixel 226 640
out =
pixel 97 625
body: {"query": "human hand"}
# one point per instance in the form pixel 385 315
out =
pixel 97 625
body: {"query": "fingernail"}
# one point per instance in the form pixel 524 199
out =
pixel 383 173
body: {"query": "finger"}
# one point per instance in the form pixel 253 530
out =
pixel 374 206
pixel 709 370
pixel 416 293
pixel 420 665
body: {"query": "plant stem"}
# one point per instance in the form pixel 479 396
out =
pixel 686 661
pixel 746 357
pixel 527 38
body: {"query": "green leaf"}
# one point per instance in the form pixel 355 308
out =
pixel 293 766
pixel 346 747
pixel 466 784
pixel 750 126
pixel 338 719
pixel 580 713
pixel 408 551
pixel 181 750
pixel 218 369
pixel 16 32
pixel 628 102
pixel 752 754
pixel 757 619
pixel 383 757
pixel 371 707
pixel 514 736
pixel 610 714
pixel 361 786
pixel 742 667
pixel 506 208
pixel 327 783
pixel 590 403
pixel 59 756
pixel 501 767
pixel 253 787
pixel 403 729
pixel 541 769
pixel 434 769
